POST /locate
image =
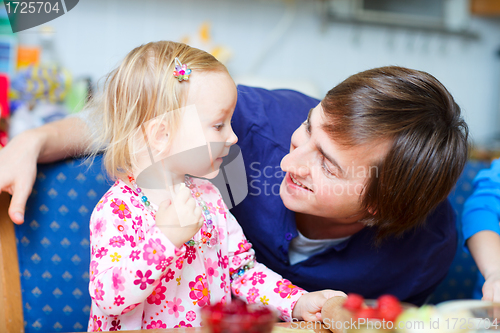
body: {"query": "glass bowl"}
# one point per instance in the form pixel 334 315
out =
pixel 237 317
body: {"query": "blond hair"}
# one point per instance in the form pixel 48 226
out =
pixel 142 88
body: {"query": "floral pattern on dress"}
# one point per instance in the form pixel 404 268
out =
pixel 140 280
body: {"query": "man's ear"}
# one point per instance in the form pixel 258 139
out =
pixel 158 135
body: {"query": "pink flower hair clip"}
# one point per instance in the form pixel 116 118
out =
pixel 181 71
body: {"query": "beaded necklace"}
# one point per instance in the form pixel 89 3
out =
pixel 209 234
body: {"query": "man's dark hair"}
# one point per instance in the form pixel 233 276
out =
pixel 429 141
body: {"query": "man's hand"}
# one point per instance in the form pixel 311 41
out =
pixel 48 143
pixel 309 306
pixel 491 287
pixel 18 171
pixel 485 249
pixel 180 220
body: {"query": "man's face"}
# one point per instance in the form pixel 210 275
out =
pixel 325 179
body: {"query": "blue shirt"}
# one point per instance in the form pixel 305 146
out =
pixel 409 267
pixel 482 208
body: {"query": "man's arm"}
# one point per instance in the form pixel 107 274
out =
pixel 48 143
pixel 480 228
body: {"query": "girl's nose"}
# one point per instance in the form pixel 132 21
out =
pixel 232 138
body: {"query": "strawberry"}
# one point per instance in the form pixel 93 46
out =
pixel 390 313
pixel 387 300
pixel 389 307
pixel 368 313
pixel 237 317
pixel 354 302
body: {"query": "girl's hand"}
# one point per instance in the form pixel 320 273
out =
pixel 180 220
pixel 309 306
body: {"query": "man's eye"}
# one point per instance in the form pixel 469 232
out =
pixel 218 127
pixel 326 168
pixel 307 125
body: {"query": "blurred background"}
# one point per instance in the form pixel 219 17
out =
pixel 307 45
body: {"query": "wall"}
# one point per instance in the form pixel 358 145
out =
pixel 302 51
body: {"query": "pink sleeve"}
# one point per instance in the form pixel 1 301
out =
pixel 128 258
pixel 254 282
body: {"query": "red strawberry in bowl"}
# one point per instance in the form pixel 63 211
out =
pixel 354 302
pixel 237 317
pixel 389 307
pixel 367 313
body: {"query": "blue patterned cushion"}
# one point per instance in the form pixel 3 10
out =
pixel 53 245
pixel 461 280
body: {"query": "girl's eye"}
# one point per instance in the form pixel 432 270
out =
pixel 218 127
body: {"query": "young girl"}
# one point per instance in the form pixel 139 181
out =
pixel 159 256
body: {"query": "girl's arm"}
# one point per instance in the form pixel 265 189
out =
pixel 128 259
pixel 253 282
pixel 258 284
pixel 485 248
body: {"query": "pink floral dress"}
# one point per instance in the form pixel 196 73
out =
pixel 140 280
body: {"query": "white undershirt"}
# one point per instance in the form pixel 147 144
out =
pixel 302 248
